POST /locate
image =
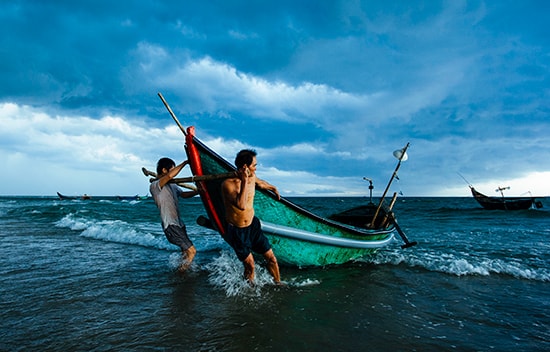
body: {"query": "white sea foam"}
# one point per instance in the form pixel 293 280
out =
pixel 462 264
pixel 226 272
pixel 175 262
pixel 143 234
pixel 72 222
pixel 114 231
pixel 298 282
pixel 122 232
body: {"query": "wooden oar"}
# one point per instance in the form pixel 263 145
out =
pixel 401 233
pixel 388 211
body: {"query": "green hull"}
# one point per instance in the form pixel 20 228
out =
pixel 301 253
pixel 304 249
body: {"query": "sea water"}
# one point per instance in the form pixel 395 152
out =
pixel 99 275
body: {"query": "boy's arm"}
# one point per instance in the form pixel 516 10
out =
pixel 171 174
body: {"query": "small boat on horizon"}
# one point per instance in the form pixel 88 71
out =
pixel 64 197
pixel 130 198
pixel 505 203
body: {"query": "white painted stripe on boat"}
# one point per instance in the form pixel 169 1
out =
pixel 298 234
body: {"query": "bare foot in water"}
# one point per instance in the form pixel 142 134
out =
pixel 186 259
pixel 184 267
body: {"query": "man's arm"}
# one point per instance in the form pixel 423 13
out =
pixel 230 194
pixel 235 193
pixel 261 184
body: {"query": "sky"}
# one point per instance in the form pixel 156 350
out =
pixel 324 91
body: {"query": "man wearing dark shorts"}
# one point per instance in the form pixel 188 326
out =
pixel 166 196
pixel 247 239
pixel 244 233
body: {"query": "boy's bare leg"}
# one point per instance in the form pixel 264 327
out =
pixel 186 258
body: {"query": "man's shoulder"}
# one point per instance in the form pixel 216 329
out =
pixel 230 183
pixel 231 180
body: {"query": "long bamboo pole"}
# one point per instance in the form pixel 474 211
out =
pixel 205 177
pixel 172 114
pixel 191 178
pixel 154 175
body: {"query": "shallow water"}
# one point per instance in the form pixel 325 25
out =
pixel 99 275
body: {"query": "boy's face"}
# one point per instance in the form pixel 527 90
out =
pixel 165 171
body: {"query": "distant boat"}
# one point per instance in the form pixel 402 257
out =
pixel 64 197
pixel 505 203
pixel 129 198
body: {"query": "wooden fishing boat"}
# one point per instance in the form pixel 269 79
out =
pixel 504 203
pixel 64 197
pixel 297 236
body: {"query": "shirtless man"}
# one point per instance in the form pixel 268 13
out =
pixel 244 233
pixel 166 196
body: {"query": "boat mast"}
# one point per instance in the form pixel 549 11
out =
pixel 400 154
pixel 500 189
pixel 371 187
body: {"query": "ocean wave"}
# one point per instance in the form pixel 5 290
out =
pixel 463 264
pixel 142 234
pixel 113 231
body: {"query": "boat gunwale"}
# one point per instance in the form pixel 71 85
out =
pixel 313 237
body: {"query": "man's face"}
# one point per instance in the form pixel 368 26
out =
pixel 253 165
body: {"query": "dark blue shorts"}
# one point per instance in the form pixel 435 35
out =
pixel 245 240
pixel 178 235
